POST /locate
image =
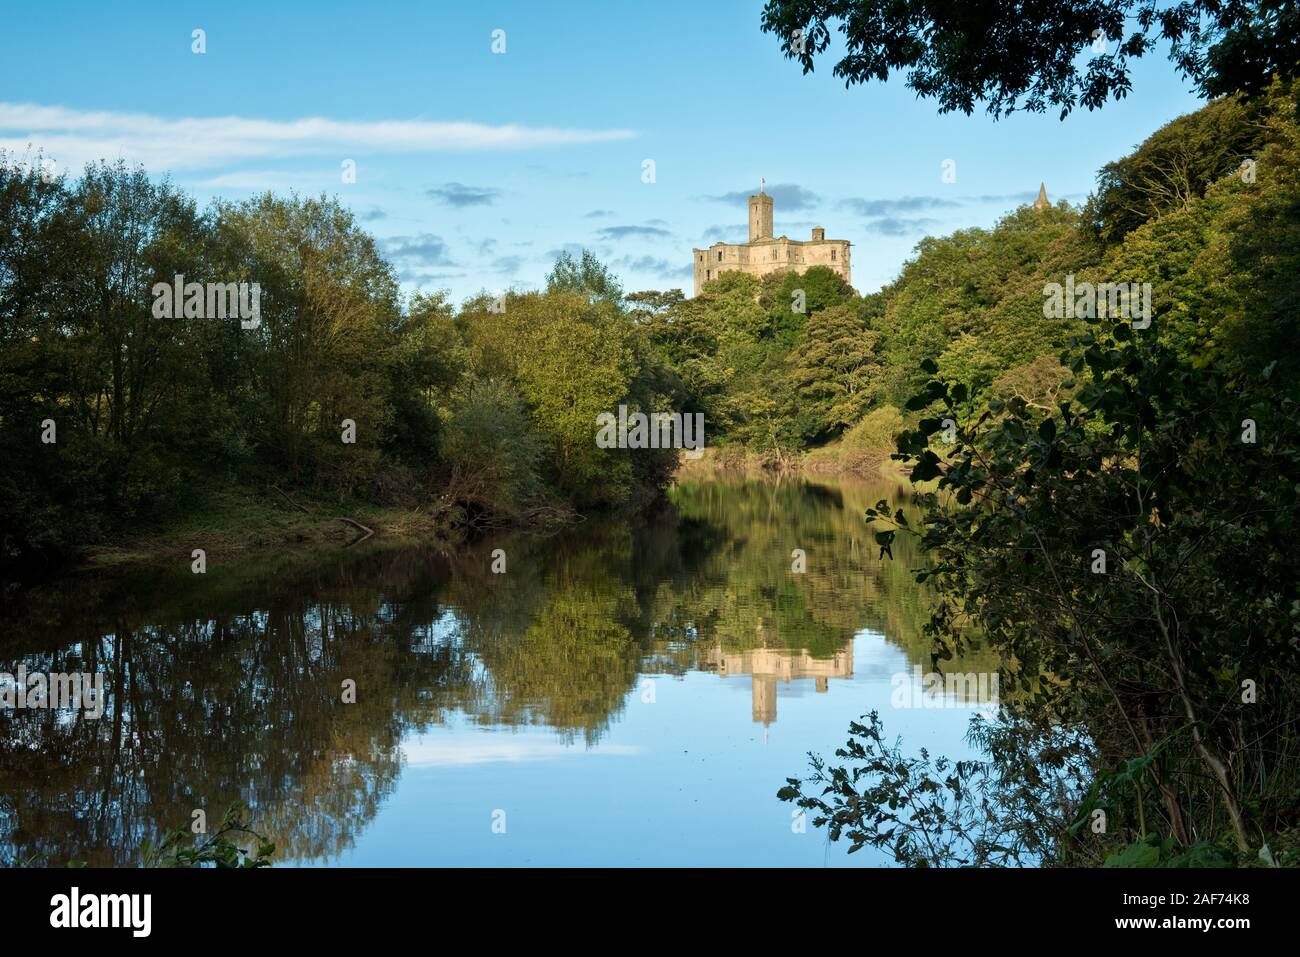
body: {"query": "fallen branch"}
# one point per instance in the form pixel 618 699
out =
pixel 355 523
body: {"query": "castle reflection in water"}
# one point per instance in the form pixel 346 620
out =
pixel 766 666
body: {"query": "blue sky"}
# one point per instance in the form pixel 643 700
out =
pixel 473 168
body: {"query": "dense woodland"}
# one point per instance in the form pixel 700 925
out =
pixel 493 404
pixel 1114 514
pixel 490 404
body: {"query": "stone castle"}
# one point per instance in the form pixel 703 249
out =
pixel 765 253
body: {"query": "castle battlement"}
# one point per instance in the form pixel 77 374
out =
pixel 765 253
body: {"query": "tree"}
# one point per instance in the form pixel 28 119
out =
pixel 329 315
pixel 835 368
pixel 1176 165
pixel 1137 542
pixel 973 300
pixel 588 276
pixel 494 452
pixel 1011 57
pixel 1116 525
pixel 790 297
pixel 427 363
pixel 650 304
pixel 83 351
pixel 113 418
pixel 572 359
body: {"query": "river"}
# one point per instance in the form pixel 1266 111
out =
pixel 619 694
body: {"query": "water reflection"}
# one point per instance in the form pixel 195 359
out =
pixel 230 685
pixel 768 665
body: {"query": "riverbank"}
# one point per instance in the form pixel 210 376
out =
pixel 834 460
pixel 243 520
pixel 864 452
pixel 240 520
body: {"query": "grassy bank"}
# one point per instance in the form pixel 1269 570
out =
pixel 835 459
pixel 230 521
pixel 863 451
pixel 243 520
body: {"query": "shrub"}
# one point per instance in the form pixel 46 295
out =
pixel 493 451
pixel 878 430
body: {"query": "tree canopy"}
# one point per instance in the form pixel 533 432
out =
pixel 1058 54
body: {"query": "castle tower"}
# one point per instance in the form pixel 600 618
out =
pixel 765 253
pixel 760 217
pixel 1041 202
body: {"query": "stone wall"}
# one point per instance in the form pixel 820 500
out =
pixel 771 255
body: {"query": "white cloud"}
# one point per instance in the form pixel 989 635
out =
pixel 270 179
pixel 443 750
pixel 74 137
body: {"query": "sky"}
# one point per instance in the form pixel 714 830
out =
pixel 475 168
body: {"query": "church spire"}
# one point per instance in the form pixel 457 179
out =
pixel 1041 202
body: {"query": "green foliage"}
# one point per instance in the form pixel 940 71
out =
pixel 774 363
pixel 1147 467
pixel 1219 253
pixel 156 416
pixel 587 276
pixel 970 53
pixel 494 452
pixel 330 311
pixel 1157 851
pixel 1040 384
pixel 428 361
pixel 573 358
pixel 1118 525
pixel 780 381
pixel 835 369
pixel 219 849
pixel 864 448
pixel 1175 165
pixel 1223 267
pixel 973 301
pixel 934 812
pixel 879 428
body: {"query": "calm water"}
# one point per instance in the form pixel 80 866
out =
pixel 622 695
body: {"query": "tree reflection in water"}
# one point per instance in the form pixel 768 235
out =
pixel 228 686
